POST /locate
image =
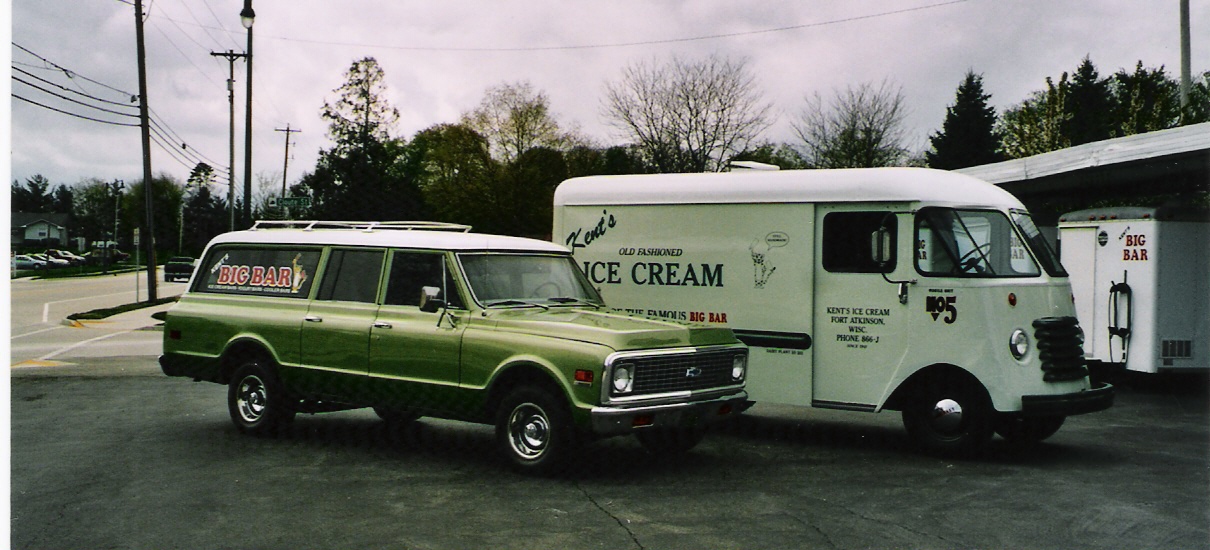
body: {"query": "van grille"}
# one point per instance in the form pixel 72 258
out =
pixel 682 372
pixel 1061 348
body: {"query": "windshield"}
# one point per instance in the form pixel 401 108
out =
pixel 970 243
pixel 1040 246
pixel 527 279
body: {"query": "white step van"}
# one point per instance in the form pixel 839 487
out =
pixel 908 289
pixel 1141 286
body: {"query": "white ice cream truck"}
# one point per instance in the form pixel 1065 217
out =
pixel 1141 278
pixel 922 291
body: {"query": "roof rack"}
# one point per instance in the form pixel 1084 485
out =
pixel 368 227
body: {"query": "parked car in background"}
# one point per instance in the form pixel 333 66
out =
pixel 179 267
pixel 24 261
pixel 50 262
pixel 71 258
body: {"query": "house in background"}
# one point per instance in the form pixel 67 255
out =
pixel 37 229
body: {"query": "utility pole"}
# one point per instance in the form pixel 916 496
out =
pixel 1186 80
pixel 286 164
pixel 247 16
pixel 146 131
pixel 231 56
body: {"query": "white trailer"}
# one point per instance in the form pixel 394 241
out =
pixel 916 290
pixel 1141 279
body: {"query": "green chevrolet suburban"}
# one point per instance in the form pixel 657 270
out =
pixel 427 319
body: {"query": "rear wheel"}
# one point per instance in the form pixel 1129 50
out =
pixel 257 401
pixel 949 414
pixel 670 441
pixel 534 430
pixel 1028 429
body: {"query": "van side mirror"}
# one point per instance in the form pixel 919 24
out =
pixel 429 299
pixel 880 246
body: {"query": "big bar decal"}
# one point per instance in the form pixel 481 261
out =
pixel 262 272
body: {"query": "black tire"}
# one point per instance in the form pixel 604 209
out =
pixel 949 415
pixel 257 400
pixel 395 417
pixel 670 441
pixel 534 430
pixel 1028 430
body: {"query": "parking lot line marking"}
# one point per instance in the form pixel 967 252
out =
pixel 38 363
pixel 79 344
pixel 15 336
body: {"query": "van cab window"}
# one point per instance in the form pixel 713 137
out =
pixel 516 279
pixel 352 276
pixel 970 243
pixel 412 271
pixel 847 242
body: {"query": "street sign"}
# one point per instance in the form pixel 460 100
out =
pixel 294 202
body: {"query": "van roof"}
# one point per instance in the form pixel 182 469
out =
pixel 787 186
pixel 387 237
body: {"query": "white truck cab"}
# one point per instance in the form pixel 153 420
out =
pixel 908 289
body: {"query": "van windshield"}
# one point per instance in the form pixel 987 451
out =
pixel 971 243
pixel 508 280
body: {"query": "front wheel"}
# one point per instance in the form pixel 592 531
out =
pixel 257 401
pixel 949 415
pixel 534 430
pixel 1028 430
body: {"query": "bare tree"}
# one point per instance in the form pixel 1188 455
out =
pixel 861 128
pixel 687 116
pixel 514 119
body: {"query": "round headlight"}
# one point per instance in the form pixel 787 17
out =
pixel 623 381
pixel 1018 343
pixel 739 367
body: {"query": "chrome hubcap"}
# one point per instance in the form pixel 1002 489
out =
pixel 528 430
pixel 947 416
pixel 251 399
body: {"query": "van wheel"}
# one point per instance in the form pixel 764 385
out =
pixel 1028 429
pixel 257 400
pixel 949 415
pixel 534 430
pixel 670 441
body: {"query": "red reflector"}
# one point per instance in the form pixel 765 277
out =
pixel 645 420
pixel 1012 299
pixel 174 335
pixel 724 410
pixel 584 376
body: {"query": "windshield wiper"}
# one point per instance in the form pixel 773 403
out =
pixel 511 302
pixel 567 300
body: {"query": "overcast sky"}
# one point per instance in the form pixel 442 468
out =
pixel 440 58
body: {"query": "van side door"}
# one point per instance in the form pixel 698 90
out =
pixel 415 356
pixel 335 336
pixel 859 321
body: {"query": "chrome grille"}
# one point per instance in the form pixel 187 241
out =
pixel 682 372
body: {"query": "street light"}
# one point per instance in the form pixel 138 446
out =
pixel 246 18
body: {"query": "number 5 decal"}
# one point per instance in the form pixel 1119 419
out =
pixel 936 305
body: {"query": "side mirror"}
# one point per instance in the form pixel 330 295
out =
pixel 880 246
pixel 429 300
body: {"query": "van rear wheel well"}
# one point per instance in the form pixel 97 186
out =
pixel 239 353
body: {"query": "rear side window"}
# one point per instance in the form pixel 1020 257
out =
pixel 258 271
pixel 847 244
pixel 352 276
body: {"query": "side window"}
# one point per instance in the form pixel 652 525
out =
pixel 412 271
pixel 248 271
pixel 847 242
pixel 352 276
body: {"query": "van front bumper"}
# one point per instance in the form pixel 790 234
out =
pixel 692 414
pixel 1098 398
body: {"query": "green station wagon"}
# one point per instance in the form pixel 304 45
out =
pixel 425 319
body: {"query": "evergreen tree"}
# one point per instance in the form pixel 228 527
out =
pixel 1090 106
pixel 968 136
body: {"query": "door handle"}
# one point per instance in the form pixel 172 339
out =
pixel 381 324
pixel 313 319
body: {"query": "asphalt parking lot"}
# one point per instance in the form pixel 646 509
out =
pixel 112 454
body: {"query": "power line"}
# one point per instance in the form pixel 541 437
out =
pixel 74 114
pixel 70 73
pixel 66 89
pixel 76 101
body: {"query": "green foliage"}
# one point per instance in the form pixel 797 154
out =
pixel 1036 125
pixel 1090 102
pixel 166 195
pixel 968 135
pixel 34 196
pixel 514 118
pixel 205 216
